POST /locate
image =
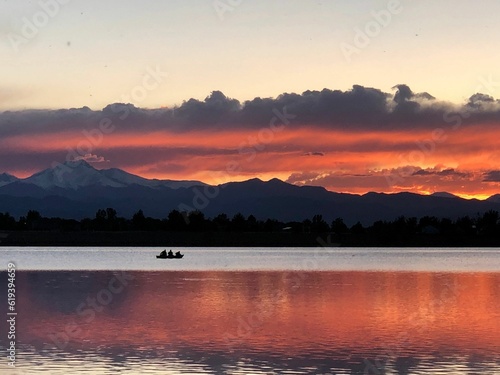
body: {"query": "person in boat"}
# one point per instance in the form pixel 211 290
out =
pixel 163 253
pixel 170 253
pixel 178 254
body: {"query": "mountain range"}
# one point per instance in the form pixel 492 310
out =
pixel 78 190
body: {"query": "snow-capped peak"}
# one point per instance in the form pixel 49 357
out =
pixel 71 175
pixel 123 177
pixel 128 179
pixel 79 174
pixel 77 163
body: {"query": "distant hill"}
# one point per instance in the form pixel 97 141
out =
pixel 82 190
pixel 494 198
pixel 6 179
pixel 443 194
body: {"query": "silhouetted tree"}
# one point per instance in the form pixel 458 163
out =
pixel 7 222
pixel 446 226
pixel 100 215
pixel 297 227
pixel 412 224
pixel 318 225
pixel 238 223
pixel 139 220
pixel 357 228
pixel 306 225
pixel 196 221
pixel 33 219
pixel 272 225
pixel 488 223
pixel 177 221
pixel 484 229
pixel 221 222
pixel 108 220
pixel 252 224
pixel 111 214
pixel 86 224
pixel 465 226
pixel 338 226
pixel 379 227
pixel 428 221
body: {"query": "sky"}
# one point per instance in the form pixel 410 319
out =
pixel 355 96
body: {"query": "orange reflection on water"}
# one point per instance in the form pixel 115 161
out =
pixel 292 313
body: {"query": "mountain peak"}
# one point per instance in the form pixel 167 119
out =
pixel 76 174
pixel 7 176
pixel 77 163
pixel 443 194
pixel 276 180
pixel 494 198
pixel 6 179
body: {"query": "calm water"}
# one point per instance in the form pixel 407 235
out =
pixel 254 311
pixel 258 259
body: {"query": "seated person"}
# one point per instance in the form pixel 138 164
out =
pixel 170 253
pixel 177 253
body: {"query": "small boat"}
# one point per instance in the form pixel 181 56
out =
pixel 164 255
pixel 169 256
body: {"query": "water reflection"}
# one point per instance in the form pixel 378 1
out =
pixel 258 322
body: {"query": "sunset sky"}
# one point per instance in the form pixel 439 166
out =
pixel 355 96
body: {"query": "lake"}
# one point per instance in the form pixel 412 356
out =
pixel 254 311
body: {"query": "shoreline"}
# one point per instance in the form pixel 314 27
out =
pixel 235 239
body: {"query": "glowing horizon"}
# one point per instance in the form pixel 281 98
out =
pixel 339 160
pixel 386 96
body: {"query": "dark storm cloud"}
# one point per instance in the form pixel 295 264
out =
pixel 45 121
pixel 442 172
pixel 482 102
pixel 451 172
pixel 422 172
pixel 314 154
pixel 358 109
pixel 404 94
pixel 336 109
pixel 492 176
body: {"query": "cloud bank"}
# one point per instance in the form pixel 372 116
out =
pixel 343 140
pixel 360 108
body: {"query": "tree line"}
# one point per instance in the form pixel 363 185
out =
pixel 487 224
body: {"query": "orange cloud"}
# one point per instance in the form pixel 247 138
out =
pixel 341 160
